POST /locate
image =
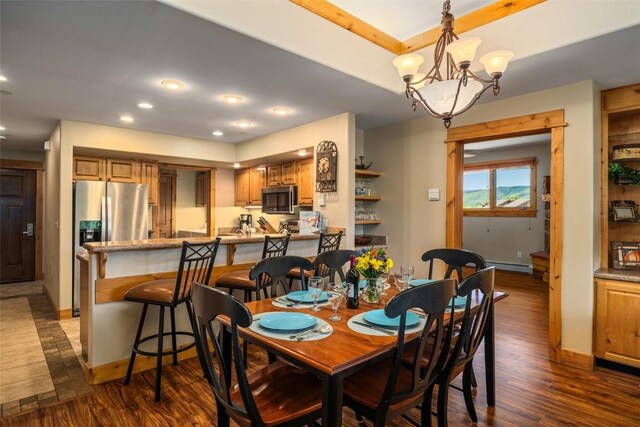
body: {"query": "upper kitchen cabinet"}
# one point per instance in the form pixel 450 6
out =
pixel 257 181
pixel 202 189
pixel 281 174
pixel 149 176
pixel 249 185
pixel 305 182
pixel 88 168
pixel 122 170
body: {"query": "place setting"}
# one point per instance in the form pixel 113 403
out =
pixel 315 296
pixel 291 326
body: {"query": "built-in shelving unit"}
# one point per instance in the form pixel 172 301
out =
pixel 366 216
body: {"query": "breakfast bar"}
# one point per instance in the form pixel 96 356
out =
pixel 109 269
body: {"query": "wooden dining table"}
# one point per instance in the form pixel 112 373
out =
pixel 345 351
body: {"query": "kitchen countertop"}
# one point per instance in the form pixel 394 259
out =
pixel 142 245
pixel 613 274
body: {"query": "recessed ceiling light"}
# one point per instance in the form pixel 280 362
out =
pixel 232 99
pixel 2 128
pixel 3 79
pixel 261 168
pixel 217 133
pixel 236 165
pixel 302 153
pixel 145 105
pixel 281 111
pixel 127 119
pixel 243 124
pixel 172 84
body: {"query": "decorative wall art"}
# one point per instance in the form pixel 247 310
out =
pixel 326 167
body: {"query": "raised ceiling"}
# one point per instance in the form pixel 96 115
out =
pixel 94 61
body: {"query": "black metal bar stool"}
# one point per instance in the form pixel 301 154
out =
pixel 196 263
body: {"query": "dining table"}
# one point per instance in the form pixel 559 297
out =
pixel 345 350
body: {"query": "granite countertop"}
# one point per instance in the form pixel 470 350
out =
pixel 613 274
pixel 142 245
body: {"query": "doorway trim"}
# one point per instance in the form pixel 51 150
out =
pixel 39 168
pixel 545 122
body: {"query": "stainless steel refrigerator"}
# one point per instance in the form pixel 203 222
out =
pixel 106 212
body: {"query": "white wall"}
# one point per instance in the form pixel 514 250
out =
pixel 413 156
pixel 341 129
pixel 188 215
pixel 51 256
pixel 498 239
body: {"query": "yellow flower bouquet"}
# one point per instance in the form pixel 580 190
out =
pixel 371 264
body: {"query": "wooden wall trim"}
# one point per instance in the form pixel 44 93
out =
pixel 550 121
pixel 579 360
pixel 505 128
pixel 21 164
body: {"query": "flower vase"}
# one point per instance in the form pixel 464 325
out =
pixel 372 290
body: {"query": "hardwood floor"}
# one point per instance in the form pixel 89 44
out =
pixel 531 391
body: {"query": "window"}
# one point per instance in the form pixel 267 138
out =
pixel 500 188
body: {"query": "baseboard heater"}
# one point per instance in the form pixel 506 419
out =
pixel 521 268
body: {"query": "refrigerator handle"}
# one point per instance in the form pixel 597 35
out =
pixel 103 215
pixel 109 218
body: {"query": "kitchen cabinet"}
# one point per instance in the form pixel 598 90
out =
pixel 149 176
pixel 617 319
pixel 88 168
pixel 249 185
pixel 122 170
pixel 202 189
pixel 306 187
pixel 242 187
pixel 281 174
pixel 257 181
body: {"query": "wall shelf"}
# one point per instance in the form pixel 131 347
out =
pixel 367 173
pixel 367 221
pixel 368 198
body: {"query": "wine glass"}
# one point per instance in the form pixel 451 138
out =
pixel 406 274
pixel 316 285
pixel 335 293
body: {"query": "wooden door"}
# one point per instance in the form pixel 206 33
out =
pixel 166 206
pixel 305 182
pixel 242 187
pixel 17 225
pixel 257 178
pixel 122 170
pixel 288 173
pixel 274 175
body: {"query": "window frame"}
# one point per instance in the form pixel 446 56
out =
pixel 492 210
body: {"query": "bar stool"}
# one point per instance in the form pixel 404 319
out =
pixel 239 279
pixel 327 242
pixel 196 263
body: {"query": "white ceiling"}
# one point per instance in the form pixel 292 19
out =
pixel 94 61
pixel 402 19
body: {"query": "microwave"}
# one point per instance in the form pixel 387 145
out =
pixel 280 200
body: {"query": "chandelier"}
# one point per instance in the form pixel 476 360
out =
pixel 450 88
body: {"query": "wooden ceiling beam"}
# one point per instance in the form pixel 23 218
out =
pixel 349 22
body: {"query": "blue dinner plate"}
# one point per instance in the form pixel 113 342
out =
pixel 304 296
pixel 286 321
pixel 459 302
pixel 419 282
pixel 377 317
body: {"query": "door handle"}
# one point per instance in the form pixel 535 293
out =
pixel 29 231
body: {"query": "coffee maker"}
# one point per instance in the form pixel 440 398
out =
pixel 245 224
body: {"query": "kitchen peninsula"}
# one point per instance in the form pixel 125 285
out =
pixel 109 269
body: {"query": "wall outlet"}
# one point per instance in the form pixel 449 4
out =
pixel 519 254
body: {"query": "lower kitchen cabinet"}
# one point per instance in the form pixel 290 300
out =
pixel 617 322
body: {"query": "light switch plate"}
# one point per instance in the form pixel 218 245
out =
pixel 433 194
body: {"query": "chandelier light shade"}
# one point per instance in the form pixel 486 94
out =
pixel 450 88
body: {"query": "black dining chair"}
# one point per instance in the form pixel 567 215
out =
pixel 328 264
pixel 239 279
pixel 273 272
pixel 196 264
pixel 392 386
pixel 326 243
pixel 467 340
pixel 454 259
pixel 276 395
